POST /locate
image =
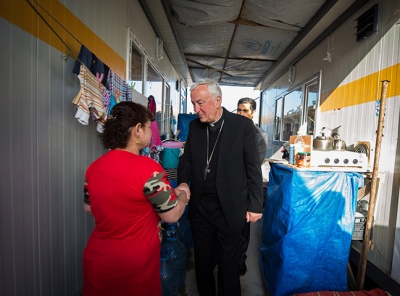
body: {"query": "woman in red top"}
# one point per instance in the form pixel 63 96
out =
pixel 127 194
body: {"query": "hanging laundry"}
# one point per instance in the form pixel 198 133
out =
pixel 117 83
pixel 89 99
pixel 106 71
pixel 84 57
pixel 92 62
pixel 156 140
pixel 153 150
pixel 98 69
pixel 114 100
pixel 151 104
pixel 106 96
pixel 155 146
pixel 82 114
pixel 101 89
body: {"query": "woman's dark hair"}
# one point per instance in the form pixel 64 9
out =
pixel 123 117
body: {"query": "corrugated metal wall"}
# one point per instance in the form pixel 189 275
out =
pixel 350 86
pixel 44 150
pixel 44 154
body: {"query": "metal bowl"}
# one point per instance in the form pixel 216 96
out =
pixel 322 143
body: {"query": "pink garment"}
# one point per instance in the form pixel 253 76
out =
pixel 152 105
pixel 156 134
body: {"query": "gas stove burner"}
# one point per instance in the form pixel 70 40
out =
pixel 361 148
pixel 364 148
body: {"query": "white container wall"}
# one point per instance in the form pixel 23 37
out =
pixel 350 82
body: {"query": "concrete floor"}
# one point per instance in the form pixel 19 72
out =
pixel 252 282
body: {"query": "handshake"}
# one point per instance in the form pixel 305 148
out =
pixel 183 191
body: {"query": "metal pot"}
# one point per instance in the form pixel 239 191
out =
pixel 322 143
pixel 339 145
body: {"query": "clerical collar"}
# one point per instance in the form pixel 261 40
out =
pixel 218 121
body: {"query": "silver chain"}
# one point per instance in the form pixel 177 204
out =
pixel 207 170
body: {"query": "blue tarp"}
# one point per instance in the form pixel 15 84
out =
pixel 183 125
pixel 307 231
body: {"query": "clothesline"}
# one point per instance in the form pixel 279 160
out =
pixel 64 56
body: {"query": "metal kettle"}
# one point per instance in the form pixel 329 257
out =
pixel 322 142
pixel 338 143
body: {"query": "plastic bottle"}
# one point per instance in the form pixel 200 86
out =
pixel 180 253
pixel 180 234
pixel 168 271
pixel 299 146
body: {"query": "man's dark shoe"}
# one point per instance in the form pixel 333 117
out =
pixel 242 268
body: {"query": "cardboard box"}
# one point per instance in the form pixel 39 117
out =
pixel 307 142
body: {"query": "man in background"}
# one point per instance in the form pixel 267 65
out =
pixel 246 107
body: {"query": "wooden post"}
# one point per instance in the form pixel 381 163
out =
pixel 374 182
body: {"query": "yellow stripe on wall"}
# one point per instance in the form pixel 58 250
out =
pixel 21 14
pixel 366 89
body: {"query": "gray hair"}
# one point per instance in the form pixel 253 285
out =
pixel 213 87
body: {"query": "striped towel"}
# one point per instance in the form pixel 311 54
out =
pixel 89 99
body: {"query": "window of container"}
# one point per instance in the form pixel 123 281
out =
pixel 278 119
pixel 135 71
pixel 295 110
pixel 312 93
pixel 183 100
pixel 292 111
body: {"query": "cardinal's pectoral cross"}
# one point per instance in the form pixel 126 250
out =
pixel 206 171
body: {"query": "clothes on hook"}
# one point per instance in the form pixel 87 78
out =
pixel 89 99
pixel 92 62
pixel 151 104
pixel 101 89
pixel 117 86
pixel 155 146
